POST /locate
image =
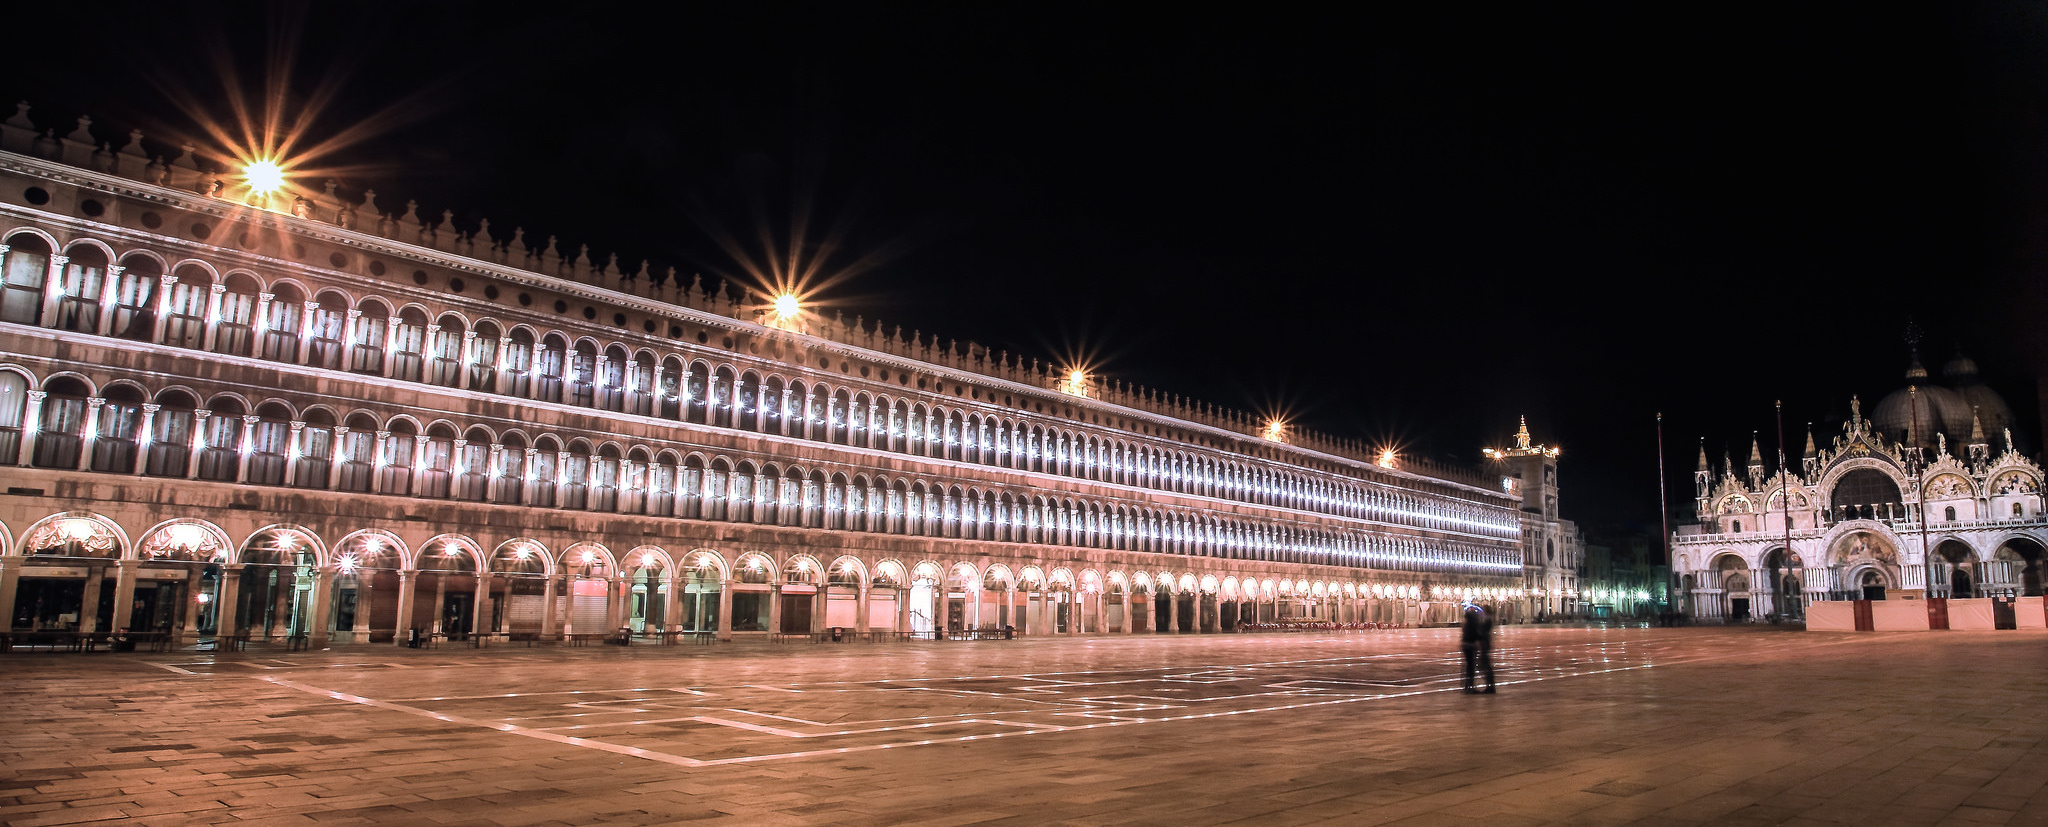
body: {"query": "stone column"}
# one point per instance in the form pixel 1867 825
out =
pixel 359 631
pixel 144 437
pixel 502 378
pixel 124 595
pixel 1173 612
pixel 163 306
pixel 31 425
pixel 53 291
pixel 1129 627
pixel 860 608
pixel 260 325
pixel 297 442
pixel 440 605
pixel 480 608
pixel 548 608
pixel 211 317
pixel 390 335
pixel 109 299
pixel 336 457
pixel 90 434
pixel 902 611
pixel 775 609
pixel 569 605
pixel 310 313
pixel 198 446
pixel 227 605
pixel 247 443
pixel 725 611
pixel 402 621
pixel 189 613
pixel 322 609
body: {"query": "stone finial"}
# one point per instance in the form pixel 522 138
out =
pixel 133 148
pixel 83 134
pixel 518 241
pixel 612 265
pixel 483 233
pixel 20 118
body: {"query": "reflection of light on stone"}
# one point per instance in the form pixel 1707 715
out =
pixel 589 557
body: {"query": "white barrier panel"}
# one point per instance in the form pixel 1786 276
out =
pixel 1971 614
pixel 1898 615
pixel 2029 613
pixel 1831 616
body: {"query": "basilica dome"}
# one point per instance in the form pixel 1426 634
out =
pixel 1991 410
pixel 1941 410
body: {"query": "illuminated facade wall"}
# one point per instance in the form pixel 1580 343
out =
pixel 334 426
pixel 1870 517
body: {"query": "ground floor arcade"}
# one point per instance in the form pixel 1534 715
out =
pixel 327 581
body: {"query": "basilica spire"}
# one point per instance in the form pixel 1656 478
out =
pixel 1756 464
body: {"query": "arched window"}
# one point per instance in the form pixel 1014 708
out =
pixel 220 454
pixel 518 361
pixel 670 392
pixel 359 454
pixel 605 481
pixel 550 366
pixel 78 297
pixel 473 466
pixel 120 426
pixel 1949 513
pixel 316 450
pixel 283 323
pixel 546 474
pixel 234 315
pixel 691 487
pixel 408 348
pixel 695 394
pixel 575 477
pixel 483 364
pixel 329 326
pixel 660 486
pixel 170 436
pixel 366 352
pixel 185 308
pixel 640 384
pixel 582 377
pixel 270 445
pixel 444 353
pixel 61 434
pixel 2018 511
pixel 395 467
pixel 1865 492
pixel 510 485
pixel 27 271
pixel 611 380
pixel 135 299
pixel 437 462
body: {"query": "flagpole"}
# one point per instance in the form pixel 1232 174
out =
pixel 1785 490
pixel 1663 507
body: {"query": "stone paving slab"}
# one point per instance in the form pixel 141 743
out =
pixel 1591 726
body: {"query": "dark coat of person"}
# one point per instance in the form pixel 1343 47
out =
pixel 1478 646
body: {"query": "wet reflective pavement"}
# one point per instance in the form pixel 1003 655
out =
pixel 1591 726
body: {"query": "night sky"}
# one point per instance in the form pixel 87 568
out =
pixel 1403 229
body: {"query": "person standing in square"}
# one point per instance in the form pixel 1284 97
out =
pixel 1478 640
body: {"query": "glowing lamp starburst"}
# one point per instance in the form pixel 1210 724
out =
pixel 1389 459
pixel 264 176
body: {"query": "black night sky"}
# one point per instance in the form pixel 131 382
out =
pixel 1397 228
